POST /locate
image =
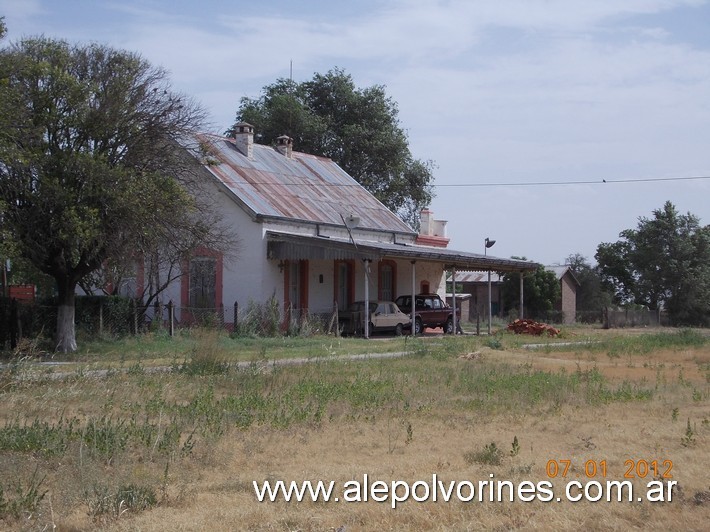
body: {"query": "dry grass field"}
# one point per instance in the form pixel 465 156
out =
pixel 180 449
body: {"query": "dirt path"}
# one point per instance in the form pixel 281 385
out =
pixel 37 370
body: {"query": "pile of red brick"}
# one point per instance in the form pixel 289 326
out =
pixel 532 327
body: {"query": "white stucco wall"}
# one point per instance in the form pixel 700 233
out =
pixel 248 276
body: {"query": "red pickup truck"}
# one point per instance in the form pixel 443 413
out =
pixel 430 311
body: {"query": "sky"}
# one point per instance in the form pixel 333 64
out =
pixel 553 124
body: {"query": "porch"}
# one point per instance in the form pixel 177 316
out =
pixel 347 270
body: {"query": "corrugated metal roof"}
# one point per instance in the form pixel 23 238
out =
pixel 561 270
pixel 482 277
pixel 291 246
pixel 476 277
pixel 304 187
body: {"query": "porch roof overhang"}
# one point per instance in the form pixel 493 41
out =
pixel 291 246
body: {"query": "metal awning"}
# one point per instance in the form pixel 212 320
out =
pixel 291 246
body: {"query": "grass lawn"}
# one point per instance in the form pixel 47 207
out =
pixel 180 449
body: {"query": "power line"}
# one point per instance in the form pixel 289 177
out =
pixel 508 184
pixel 553 183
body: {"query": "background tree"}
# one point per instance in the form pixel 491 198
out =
pixel 91 166
pixel 541 290
pixel 591 295
pixel 664 262
pixel 357 128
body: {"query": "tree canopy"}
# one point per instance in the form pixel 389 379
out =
pixel 358 128
pixel 664 262
pixel 541 290
pixel 591 294
pixel 89 156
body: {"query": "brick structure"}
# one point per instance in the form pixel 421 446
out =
pixel 568 292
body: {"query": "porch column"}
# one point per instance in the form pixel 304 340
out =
pixel 414 282
pixel 453 296
pixel 366 264
pixel 521 295
pixel 490 304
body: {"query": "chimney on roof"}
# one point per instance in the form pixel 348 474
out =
pixel 284 144
pixel 244 138
pixel 425 222
pixel 431 232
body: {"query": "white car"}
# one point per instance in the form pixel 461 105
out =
pixel 385 316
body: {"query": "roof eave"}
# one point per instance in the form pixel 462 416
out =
pixel 314 223
pixel 295 247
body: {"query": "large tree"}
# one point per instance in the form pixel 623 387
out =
pixel 664 262
pixel 541 290
pixel 358 128
pixel 591 294
pixel 91 165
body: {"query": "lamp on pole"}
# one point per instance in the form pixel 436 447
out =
pixel 489 243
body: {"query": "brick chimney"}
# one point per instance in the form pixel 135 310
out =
pixel 244 138
pixel 431 232
pixel 284 144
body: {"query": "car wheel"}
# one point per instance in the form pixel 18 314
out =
pixel 398 330
pixel 370 329
pixel 418 328
pixel 449 326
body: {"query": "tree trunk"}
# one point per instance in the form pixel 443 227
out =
pixel 66 334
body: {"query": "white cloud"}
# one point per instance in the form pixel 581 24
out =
pixel 509 90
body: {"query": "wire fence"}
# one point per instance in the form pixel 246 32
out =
pixel 114 316
pixel 608 318
pixel 619 318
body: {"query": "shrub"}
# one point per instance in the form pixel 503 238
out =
pixel 489 455
pixel 260 319
pixel 26 500
pixel 103 502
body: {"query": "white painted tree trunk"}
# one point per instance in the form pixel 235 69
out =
pixel 66 333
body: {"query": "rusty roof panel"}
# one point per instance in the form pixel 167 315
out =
pixel 303 187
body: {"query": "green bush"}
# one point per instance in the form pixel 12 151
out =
pixel 490 455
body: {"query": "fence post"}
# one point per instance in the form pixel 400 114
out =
pixel 14 315
pixel 171 318
pixel 19 322
pixel 235 327
pixel 134 309
pixel 337 319
pixel 158 315
pixel 101 317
